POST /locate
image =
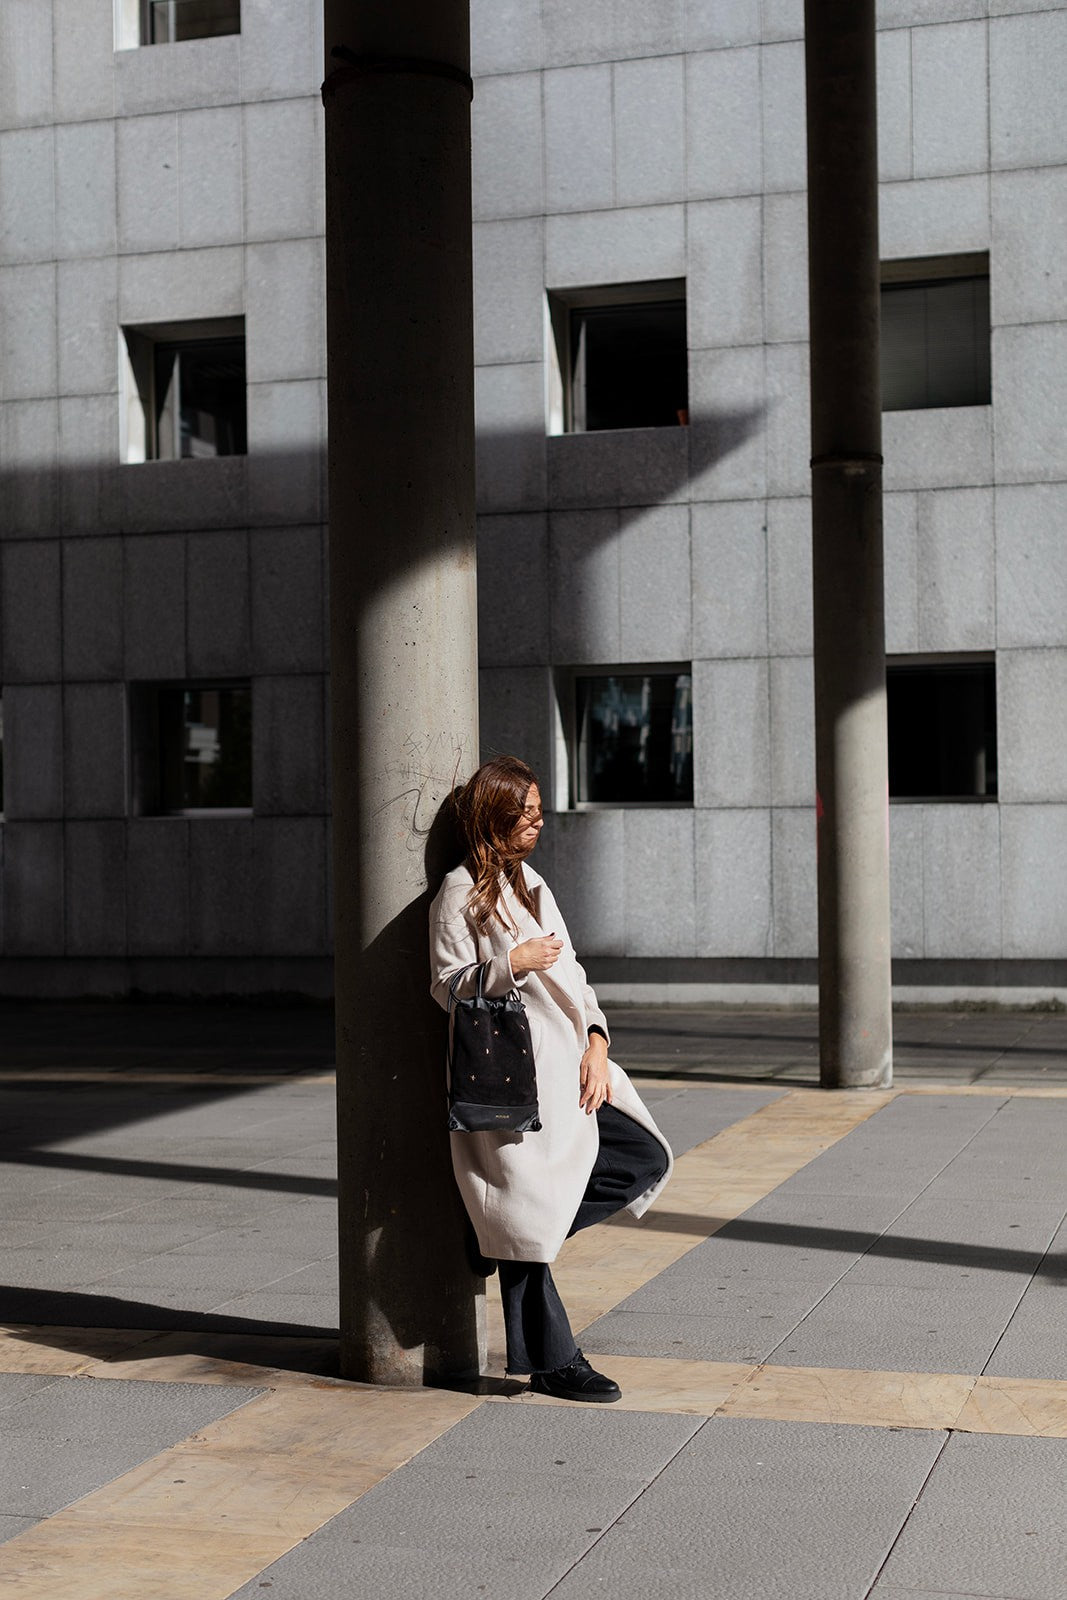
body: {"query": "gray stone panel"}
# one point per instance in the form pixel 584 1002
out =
pixel 210 209
pixel 937 216
pixel 589 879
pixel 92 608
pixel 894 104
pixel 1029 282
pixel 288 746
pixel 29 445
pixel 218 622
pixel 91 496
pixel 157 886
pixel 94 859
pixel 83 65
pixel 903 14
pixel 222 909
pixel 287 599
pixel 585 586
pixel 94 750
pixel 660 883
pixel 508 290
pixel 509 408
pixel 724 144
pixel 86 190
pixel 725 273
pixel 154 606
pixel 87 319
pixel 731 714
pixel 722 24
pixel 604 31
pixel 1031 400
pixel 950 110
pixel 989 1521
pixel 25 63
pixel 649 99
pixel 505 36
pixel 513 565
pixel 654 584
pixel 290 892
pixel 728 424
pixel 516 715
pixel 906 881
pixel 507 147
pixel 578 113
pixel 1032 753
pixel 1033 878
pixel 793 882
pixel 30 598
pixel 287 458
pixel 730 579
pixel 634 245
pixel 27 222
pixel 177 77
pixel 1028 113
pixel 33 888
pixel 955 556
pixel 961 881
pixel 792 731
pixel 181 287
pixel 784 127
pixel 788 430
pixel 623 467
pixel 147 156
pixel 285 310
pixel 785 267
pixel 789 620
pixel 733 883
pixel 281 54
pixel 33 751
pixel 900 514
pixel 27 332
pixel 941 448
pixel 283 143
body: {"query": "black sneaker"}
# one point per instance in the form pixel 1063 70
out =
pixel 576 1381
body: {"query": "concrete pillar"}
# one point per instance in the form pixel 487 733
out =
pixel 855 1021
pixel 403 656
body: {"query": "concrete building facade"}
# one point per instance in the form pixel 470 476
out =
pixel 629 160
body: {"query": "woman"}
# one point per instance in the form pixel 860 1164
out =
pixel 598 1149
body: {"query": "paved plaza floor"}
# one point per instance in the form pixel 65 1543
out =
pixel 839 1333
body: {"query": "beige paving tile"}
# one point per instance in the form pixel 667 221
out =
pixel 67 1558
pixel 64 1351
pixel 875 1399
pixel 1025 1407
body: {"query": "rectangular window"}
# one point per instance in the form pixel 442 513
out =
pixel 193 747
pixel 184 391
pixel 935 333
pixel 168 21
pixel 618 357
pixel 630 735
pixel 942 718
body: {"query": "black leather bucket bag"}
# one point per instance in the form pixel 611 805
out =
pixel 492 1080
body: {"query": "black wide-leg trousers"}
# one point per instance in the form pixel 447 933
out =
pixel 629 1162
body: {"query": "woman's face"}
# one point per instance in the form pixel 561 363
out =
pixel 527 830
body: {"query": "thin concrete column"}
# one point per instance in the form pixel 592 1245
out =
pixel 403 656
pixel 855 1022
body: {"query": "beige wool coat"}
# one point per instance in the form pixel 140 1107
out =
pixel 522 1190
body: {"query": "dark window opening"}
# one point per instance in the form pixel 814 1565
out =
pixel 190 399
pixel 193 747
pixel 935 336
pixel 634 738
pixel 942 721
pixel 622 356
pixel 170 21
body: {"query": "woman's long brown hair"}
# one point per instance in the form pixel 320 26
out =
pixel 489 808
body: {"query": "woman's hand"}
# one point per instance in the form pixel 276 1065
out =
pixel 536 955
pixel 593 1075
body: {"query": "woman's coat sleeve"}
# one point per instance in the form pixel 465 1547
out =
pixel 454 945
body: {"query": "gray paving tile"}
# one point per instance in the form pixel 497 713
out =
pixel 747 1327
pixel 10 1526
pixel 990 1521
pixel 755 1511
pixel 15 1387
pixel 366 1570
pixel 1033 1344
pixel 694 1115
